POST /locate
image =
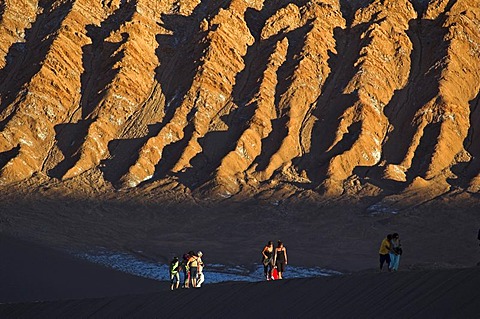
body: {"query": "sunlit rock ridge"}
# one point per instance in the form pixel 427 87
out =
pixel 230 97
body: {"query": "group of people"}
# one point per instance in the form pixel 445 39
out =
pixel 390 252
pixel 274 258
pixel 192 268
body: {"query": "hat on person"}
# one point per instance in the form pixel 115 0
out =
pixel 199 253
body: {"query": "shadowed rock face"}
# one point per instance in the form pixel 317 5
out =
pixel 239 96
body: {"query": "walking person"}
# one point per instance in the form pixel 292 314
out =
pixel 200 276
pixel 385 248
pixel 395 252
pixel 174 274
pixel 280 259
pixel 267 260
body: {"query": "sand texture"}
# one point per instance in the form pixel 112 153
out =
pixel 29 272
pixel 415 294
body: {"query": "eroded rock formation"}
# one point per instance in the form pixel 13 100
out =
pixel 238 96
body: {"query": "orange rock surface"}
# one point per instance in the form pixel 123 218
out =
pixel 224 98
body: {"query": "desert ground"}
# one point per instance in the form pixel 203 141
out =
pixel 40 235
pixel 336 235
pixel 341 236
pixel 444 293
pixel 151 128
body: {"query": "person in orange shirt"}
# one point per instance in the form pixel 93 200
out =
pixel 385 248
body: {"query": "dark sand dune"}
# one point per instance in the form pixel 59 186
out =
pixel 409 294
pixel 30 272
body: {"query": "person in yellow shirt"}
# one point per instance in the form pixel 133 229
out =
pixel 385 248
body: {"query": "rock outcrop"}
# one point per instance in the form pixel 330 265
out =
pixel 238 96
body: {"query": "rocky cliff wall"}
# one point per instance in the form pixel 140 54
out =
pixel 233 97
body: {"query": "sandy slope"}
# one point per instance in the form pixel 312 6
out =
pixel 29 272
pixel 413 294
pixel 341 236
pixel 76 289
